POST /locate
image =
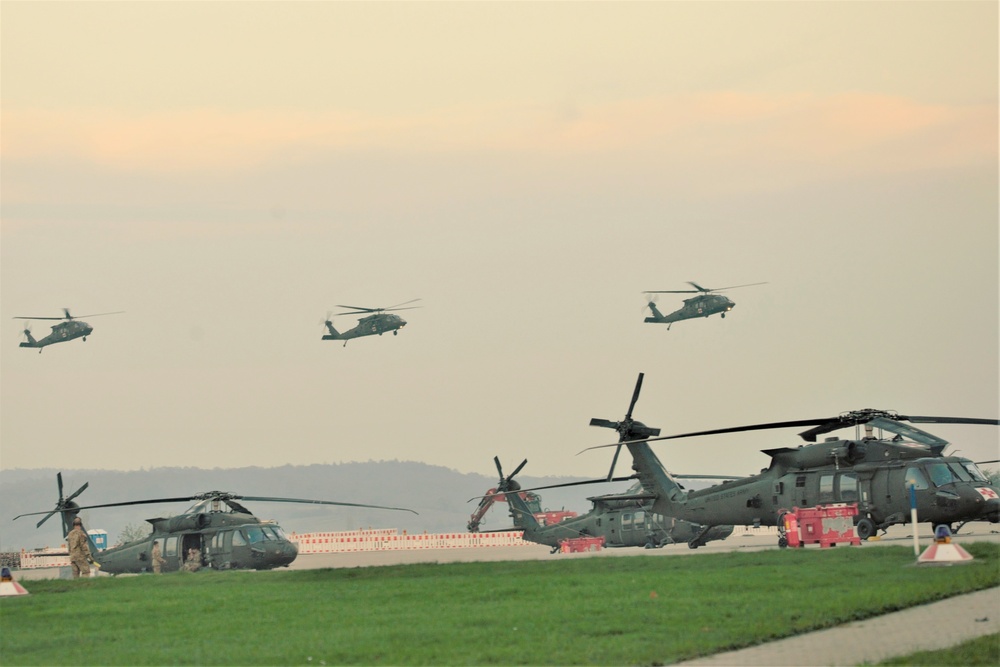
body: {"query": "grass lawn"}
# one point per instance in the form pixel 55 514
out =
pixel 980 652
pixel 635 610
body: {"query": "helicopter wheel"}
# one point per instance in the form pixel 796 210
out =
pixel 395 333
pixel 783 542
pixel 723 316
pixel 865 529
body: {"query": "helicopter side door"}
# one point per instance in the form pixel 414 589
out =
pixel 170 554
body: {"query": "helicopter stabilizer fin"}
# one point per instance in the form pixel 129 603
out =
pixel 334 334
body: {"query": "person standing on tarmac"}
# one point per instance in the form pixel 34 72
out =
pixel 79 549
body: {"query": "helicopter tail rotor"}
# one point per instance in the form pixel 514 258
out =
pixel 64 506
pixel 628 429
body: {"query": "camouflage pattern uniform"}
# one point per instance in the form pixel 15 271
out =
pixel 156 558
pixel 193 563
pixel 79 551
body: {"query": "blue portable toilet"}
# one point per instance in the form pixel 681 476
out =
pixel 100 538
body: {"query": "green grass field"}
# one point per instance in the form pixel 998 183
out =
pixel 636 610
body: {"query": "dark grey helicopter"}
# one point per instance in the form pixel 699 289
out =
pixel 377 321
pixel 705 304
pixel 69 328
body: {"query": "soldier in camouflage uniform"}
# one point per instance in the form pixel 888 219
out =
pixel 79 549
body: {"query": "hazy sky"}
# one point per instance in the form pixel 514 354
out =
pixel 226 173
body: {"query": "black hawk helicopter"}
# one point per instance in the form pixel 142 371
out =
pixel 68 329
pixel 623 520
pixel 377 321
pixel 705 304
pixel 877 473
pixel 227 535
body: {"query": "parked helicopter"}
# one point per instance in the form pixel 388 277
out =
pixel 623 520
pixel 876 473
pixel 705 304
pixel 378 321
pixel 227 535
pixel 68 329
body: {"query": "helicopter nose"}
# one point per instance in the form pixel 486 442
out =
pixel 991 506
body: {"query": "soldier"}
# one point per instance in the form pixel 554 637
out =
pixel 156 558
pixel 79 549
pixel 193 563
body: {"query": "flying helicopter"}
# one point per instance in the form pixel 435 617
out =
pixel 875 472
pixel 218 525
pixel 705 304
pixel 623 520
pixel 68 329
pixel 376 321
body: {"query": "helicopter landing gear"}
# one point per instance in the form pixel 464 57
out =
pixel 865 529
pixel 395 333
pixel 84 339
pixel 723 316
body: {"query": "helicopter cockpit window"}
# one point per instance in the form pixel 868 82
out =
pixel 959 471
pixel 974 470
pixel 940 474
pixel 915 478
pixel 238 539
pixel 279 532
pixel 269 533
pixel 254 534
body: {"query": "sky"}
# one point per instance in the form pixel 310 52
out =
pixel 228 173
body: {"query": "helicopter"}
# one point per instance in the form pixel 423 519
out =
pixel 377 321
pixel 705 304
pixel 623 520
pixel 227 534
pixel 68 329
pixel 877 473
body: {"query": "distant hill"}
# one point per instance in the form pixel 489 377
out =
pixel 439 494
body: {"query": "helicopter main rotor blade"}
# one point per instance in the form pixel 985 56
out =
pixel 360 309
pixel 117 312
pixel 397 306
pixel 558 486
pixel 735 429
pixel 719 289
pixel 19 317
pixel 320 502
pixel 671 291
pixel 91 507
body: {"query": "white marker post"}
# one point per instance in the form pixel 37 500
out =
pixel 913 519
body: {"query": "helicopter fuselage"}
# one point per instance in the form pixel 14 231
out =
pixel 225 540
pixel 367 326
pixel 623 521
pixel 946 489
pixel 61 333
pixel 702 305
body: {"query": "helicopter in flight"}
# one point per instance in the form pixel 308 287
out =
pixel 225 533
pixel 877 473
pixel 623 520
pixel 705 304
pixel 376 321
pixel 69 328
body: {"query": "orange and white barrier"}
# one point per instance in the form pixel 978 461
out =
pixel 393 540
pixel 35 559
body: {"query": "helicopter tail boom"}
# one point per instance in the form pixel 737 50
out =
pixel 334 334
